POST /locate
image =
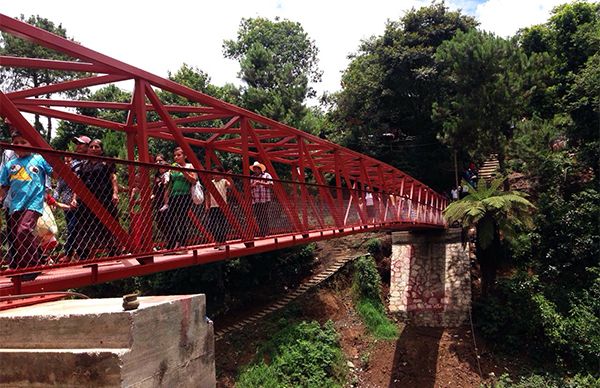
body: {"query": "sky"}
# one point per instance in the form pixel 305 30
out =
pixel 159 36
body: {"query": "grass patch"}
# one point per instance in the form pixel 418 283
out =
pixel 367 299
pixel 303 354
pixel 374 246
pixel 378 324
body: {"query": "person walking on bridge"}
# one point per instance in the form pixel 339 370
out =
pixel 24 180
pixel 180 200
pixel 262 196
pixel 100 177
pixel 65 194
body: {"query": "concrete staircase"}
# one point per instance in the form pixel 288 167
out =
pixel 489 169
pixel 313 282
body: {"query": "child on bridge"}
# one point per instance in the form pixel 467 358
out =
pixel 24 178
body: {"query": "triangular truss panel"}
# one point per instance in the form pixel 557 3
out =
pixel 203 121
pixel 319 189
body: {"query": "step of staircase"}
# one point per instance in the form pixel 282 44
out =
pixel 490 168
pixel 284 301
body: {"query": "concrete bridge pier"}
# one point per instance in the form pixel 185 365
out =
pixel 166 342
pixel 430 280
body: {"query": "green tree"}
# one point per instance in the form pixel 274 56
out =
pixel 195 78
pixel 496 215
pixel 571 37
pixel 490 82
pixel 18 78
pixel 278 60
pixel 384 108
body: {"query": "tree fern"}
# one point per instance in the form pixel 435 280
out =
pixel 493 213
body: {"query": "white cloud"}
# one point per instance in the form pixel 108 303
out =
pixel 159 36
pixel 506 17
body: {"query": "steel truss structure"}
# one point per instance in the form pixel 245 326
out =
pixel 337 176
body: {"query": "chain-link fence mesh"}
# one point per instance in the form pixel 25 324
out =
pixel 117 208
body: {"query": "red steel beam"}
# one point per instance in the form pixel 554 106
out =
pixel 67 85
pixel 63 45
pixel 51 64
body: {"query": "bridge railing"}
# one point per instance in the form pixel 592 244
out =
pixel 96 209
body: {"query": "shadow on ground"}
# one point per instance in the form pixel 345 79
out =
pixel 415 359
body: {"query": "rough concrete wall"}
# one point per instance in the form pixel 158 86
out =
pixel 167 342
pixel 430 279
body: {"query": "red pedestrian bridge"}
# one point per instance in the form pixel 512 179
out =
pixel 132 216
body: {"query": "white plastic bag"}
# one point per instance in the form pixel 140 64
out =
pixel 47 229
pixel 197 193
pixel 46 224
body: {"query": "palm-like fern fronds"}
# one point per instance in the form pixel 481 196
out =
pixel 504 210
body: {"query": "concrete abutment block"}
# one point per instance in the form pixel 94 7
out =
pixel 166 342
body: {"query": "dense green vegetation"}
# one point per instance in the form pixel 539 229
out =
pixel 549 307
pixel 547 381
pixel 493 213
pixel 366 288
pixel 303 354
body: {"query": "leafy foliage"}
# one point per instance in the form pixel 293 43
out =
pixel 490 81
pixel 366 288
pixel 384 108
pixel 491 210
pixel 522 315
pixel 277 61
pixel 378 324
pixel 20 77
pixel 493 213
pixel 374 246
pixel 548 381
pixel 571 37
pixel 300 355
pixel 367 283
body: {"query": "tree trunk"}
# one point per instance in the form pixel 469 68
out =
pixel 49 131
pixel 488 259
pixel 37 123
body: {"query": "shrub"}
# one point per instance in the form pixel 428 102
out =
pixel 303 354
pixel 374 246
pixel 377 322
pixel 548 381
pixel 367 283
pixel 521 317
pixel 367 295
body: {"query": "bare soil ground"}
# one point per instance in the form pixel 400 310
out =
pixel 420 357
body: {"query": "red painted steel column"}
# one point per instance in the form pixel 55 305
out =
pixel 338 183
pixel 244 126
pixel 289 208
pixel 143 156
pixel 319 177
pixel 410 203
pixel 304 200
